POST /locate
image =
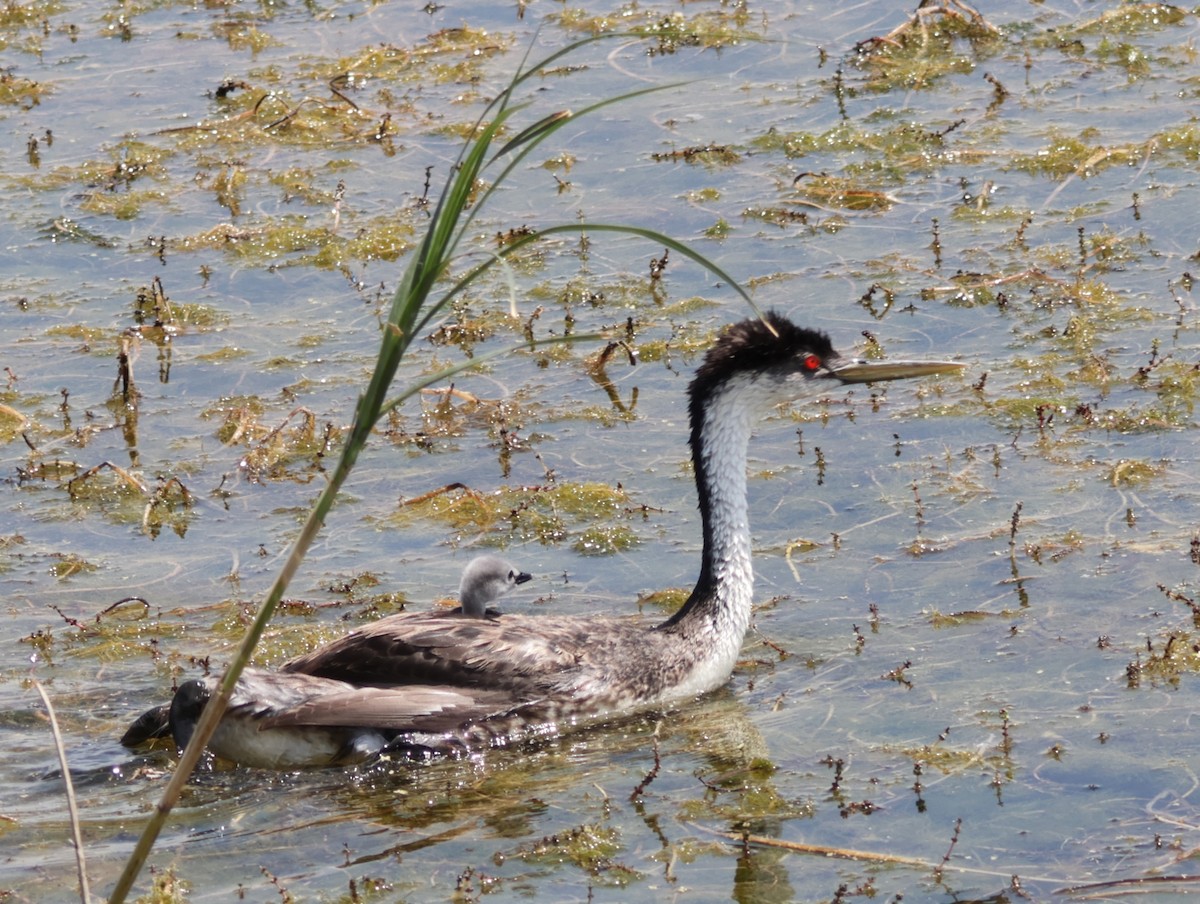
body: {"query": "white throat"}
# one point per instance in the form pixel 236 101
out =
pixel 724 617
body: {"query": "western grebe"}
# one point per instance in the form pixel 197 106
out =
pixel 475 683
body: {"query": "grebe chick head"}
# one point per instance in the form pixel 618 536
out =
pixel 485 579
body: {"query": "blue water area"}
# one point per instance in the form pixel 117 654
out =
pixel 970 671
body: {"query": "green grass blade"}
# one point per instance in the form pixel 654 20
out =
pixel 454 370
pixel 412 309
pixel 552 124
pixel 583 228
pixel 535 133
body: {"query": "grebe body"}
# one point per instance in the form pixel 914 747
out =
pixel 480 682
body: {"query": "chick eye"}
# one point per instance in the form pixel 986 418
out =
pixel 810 363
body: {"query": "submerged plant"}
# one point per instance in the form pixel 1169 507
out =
pixel 414 307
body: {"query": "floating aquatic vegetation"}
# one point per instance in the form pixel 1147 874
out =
pixel 1066 155
pixel 708 154
pixel 12 422
pixel 1174 656
pixel 729 24
pixel 827 191
pixel 1133 473
pixel 940 39
pixel 595 518
pixel 1133 17
pixel 591 848
pixel 18 91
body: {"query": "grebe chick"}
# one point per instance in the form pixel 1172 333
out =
pixel 523 676
pixel 487 578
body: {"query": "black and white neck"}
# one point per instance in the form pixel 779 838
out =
pixel 754 366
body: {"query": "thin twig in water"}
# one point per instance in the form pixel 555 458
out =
pixel 637 793
pixel 76 834
pixel 441 491
pixel 1151 883
pixel 941 867
pixel 824 850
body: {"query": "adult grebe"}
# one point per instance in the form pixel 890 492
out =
pixel 496 681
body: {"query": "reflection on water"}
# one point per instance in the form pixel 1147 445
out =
pixel 961 617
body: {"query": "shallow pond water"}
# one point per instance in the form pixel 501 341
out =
pixel 963 660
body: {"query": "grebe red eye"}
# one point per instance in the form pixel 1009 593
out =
pixel 810 363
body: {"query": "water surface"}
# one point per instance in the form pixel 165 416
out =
pixel 925 680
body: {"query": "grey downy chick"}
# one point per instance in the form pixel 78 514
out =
pixel 487 578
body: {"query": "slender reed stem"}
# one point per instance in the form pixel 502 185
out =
pixel 312 526
pixel 216 706
pixel 414 307
pixel 76 834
